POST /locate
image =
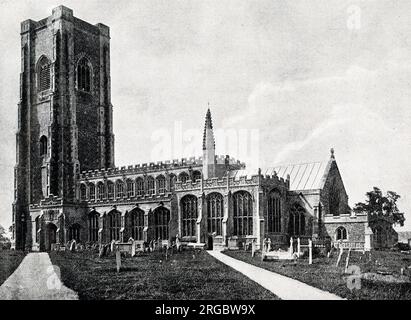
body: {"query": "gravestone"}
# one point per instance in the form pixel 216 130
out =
pixel 133 248
pixel 73 246
pixel 339 256
pixel 298 246
pixel 268 244
pixel 112 248
pixel 310 251
pixel 253 248
pixel 178 243
pixel 103 251
pixel 118 259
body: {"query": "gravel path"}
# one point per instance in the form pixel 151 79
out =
pixel 283 287
pixel 36 279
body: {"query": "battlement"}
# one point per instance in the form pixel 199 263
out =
pixel 220 159
pixel 144 168
pixel 242 180
pixel 158 166
pixel 62 12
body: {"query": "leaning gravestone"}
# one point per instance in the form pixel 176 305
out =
pixel 103 251
pixel 73 246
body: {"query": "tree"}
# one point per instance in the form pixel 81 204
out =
pixel 3 235
pixel 384 205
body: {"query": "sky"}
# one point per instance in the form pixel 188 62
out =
pixel 285 82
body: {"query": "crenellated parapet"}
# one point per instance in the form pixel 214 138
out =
pixel 143 168
pixel 152 167
pixel 237 181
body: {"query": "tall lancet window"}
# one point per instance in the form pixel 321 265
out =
pixel 84 75
pixel 43 74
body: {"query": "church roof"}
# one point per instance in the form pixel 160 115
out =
pixel 303 176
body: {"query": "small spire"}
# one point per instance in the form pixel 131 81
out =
pixel 208 126
pixel 332 153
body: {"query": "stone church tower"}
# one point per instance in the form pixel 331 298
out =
pixel 64 113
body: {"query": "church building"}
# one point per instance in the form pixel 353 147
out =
pixel 68 187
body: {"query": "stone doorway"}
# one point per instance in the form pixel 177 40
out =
pixel 50 236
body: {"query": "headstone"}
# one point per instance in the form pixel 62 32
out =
pixel 118 259
pixel 103 251
pixel 253 248
pixel 112 243
pixel 178 243
pixel 299 246
pixel 268 244
pixel 130 240
pixel 73 246
pixel 339 256
pixel 310 251
pixel 291 249
pixel 133 248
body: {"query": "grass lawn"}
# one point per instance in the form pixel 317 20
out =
pixel 325 275
pixel 149 276
pixel 9 261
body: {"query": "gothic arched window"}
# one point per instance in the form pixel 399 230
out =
pixel 100 191
pixel 274 212
pixel 161 217
pixel 43 74
pixel 196 175
pixel 140 186
pixel 114 225
pixel 83 192
pixel 150 186
pixel 110 190
pixel 341 233
pixel 183 177
pixel 296 226
pixel 215 213
pixel 84 75
pixel 161 184
pixel 74 232
pixel 119 189
pixel 131 191
pixel 136 224
pixel 43 146
pixel 189 214
pixel 92 191
pixel 173 179
pixel 93 226
pixel 243 213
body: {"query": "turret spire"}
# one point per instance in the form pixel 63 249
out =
pixel 208 148
pixel 208 135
